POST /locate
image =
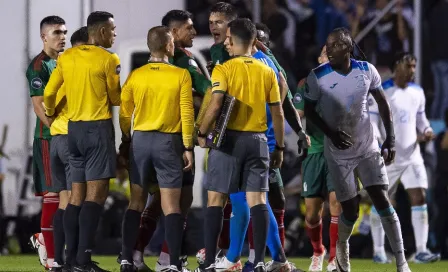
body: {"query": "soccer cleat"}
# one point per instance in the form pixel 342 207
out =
pixel 426 257
pixel 56 267
pixel 273 266
pixel 142 267
pixel 201 268
pixel 342 257
pixel 40 249
pixel 380 258
pixel 184 263
pixel 293 267
pixel 248 267
pixel 260 267
pixel 127 267
pixel 331 267
pixel 317 262
pixel 200 256
pixel 224 265
pixel 404 268
pixel 90 267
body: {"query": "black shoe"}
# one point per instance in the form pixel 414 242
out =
pixel 56 268
pixel 260 267
pixel 90 267
pixel 128 268
pixel 67 268
pixel 119 258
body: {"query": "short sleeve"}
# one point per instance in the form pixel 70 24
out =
pixel 298 101
pixel 375 78
pixel 36 79
pixel 312 90
pixel 273 93
pixel 219 79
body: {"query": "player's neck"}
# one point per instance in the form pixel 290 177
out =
pixel 51 53
pixel 401 82
pixel 344 68
pixel 159 58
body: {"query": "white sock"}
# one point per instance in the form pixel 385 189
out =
pixel 41 239
pixel 392 227
pixel 421 227
pixel 164 258
pixel 377 231
pixel 345 229
pixel 137 257
pixel 251 255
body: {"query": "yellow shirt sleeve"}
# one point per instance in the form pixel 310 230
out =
pixel 51 90
pixel 273 93
pixel 219 79
pixel 113 69
pixel 127 106
pixel 187 110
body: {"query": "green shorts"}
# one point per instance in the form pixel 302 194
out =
pixel 316 180
pixel 41 167
pixel 275 179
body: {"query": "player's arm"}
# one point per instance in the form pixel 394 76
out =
pixel 375 120
pixel 126 109
pixel 219 88
pixel 283 86
pixel 35 81
pixel 113 69
pixel 187 111
pixel 273 99
pixel 423 125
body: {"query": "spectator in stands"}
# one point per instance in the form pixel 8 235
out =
pixel 441 188
pixel 389 36
pixel 438 21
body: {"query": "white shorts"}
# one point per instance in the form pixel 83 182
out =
pixel 412 175
pixel 370 169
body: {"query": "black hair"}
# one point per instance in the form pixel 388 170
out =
pixel 98 17
pixel 400 57
pixel 176 15
pixel 227 9
pixel 351 43
pixel 80 36
pixel 51 20
pixel 263 27
pixel 244 29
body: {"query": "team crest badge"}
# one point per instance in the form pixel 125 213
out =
pixel 36 83
pixel 297 98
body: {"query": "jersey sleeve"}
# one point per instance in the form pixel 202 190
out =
pixel 127 105
pixel 273 93
pixel 200 82
pixel 312 90
pixel 219 79
pixel 52 88
pixel 375 78
pixel 36 80
pixel 113 69
pixel 187 110
pixel 298 101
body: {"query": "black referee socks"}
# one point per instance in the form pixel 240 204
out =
pixel 174 225
pixel 89 217
pixel 59 238
pixel 260 224
pixel 212 228
pixel 71 226
pixel 129 230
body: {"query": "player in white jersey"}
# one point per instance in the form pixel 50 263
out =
pixel 338 90
pixel 407 103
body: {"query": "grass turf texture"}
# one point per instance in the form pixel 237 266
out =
pixel 30 263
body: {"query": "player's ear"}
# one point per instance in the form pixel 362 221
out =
pixel 42 36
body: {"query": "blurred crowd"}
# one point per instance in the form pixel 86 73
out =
pixel 298 31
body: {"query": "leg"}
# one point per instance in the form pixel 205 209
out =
pixel 224 237
pixel 58 226
pixel 273 239
pixel 71 221
pixel 214 215
pixel 238 226
pixel 335 212
pixel 131 222
pixel 277 201
pixel 313 221
pixel 260 223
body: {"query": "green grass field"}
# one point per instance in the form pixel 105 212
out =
pixel 30 263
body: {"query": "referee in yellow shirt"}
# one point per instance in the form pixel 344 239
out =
pixel 160 98
pixel 59 157
pixel 242 163
pixel 90 74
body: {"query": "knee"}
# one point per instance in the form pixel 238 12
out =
pixel 351 209
pixel 335 206
pixel 313 213
pixel 63 200
pixel 136 205
pixel 417 197
pixel 216 199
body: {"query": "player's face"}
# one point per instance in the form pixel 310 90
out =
pixel 228 43
pixel 263 37
pixel 185 34
pixel 170 46
pixel 337 49
pixel 54 37
pixel 406 69
pixel 217 23
pixel 323 55
pixel 108 33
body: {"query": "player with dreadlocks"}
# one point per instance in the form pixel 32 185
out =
pixel 339 88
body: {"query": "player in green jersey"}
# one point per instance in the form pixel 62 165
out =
pixel 53 33
pixel 316 185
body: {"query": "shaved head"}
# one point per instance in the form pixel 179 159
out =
pixel 158 39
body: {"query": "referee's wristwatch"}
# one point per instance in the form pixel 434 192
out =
pixel 201 135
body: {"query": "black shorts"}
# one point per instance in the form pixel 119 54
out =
pixel 59 161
